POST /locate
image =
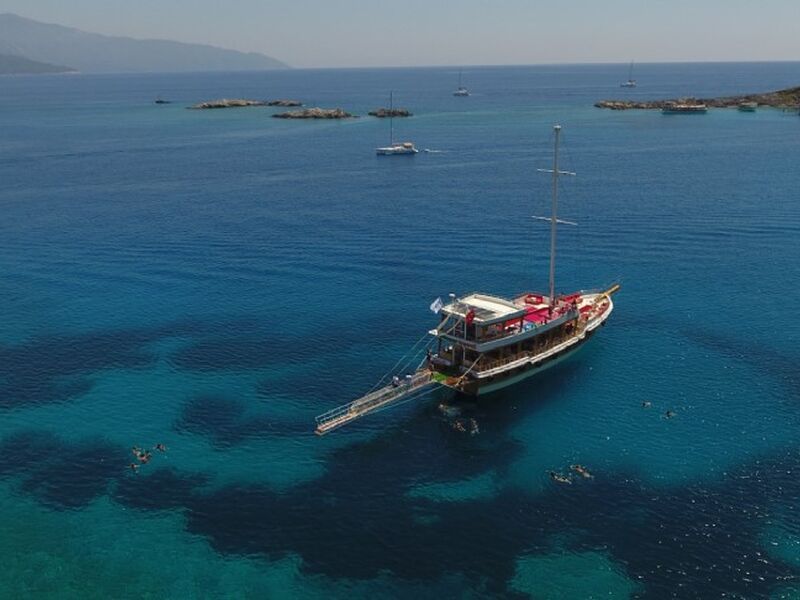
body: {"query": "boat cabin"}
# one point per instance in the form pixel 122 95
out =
pixel 486 322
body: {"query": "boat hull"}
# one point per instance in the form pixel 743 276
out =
pixel 494 377
pixel 396 151
pixel 486 387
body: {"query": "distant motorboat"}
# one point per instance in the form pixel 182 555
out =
pixel 460 90
pixel 631 83
pixel 748 106
pixel 684 109
pixel 395 148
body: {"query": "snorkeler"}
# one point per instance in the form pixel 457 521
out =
pixel 160 447
pixel 646 404
pixel 669 414
pixel 458 425
pixel 582 471
pixel 473 429
pixel 559 478
pixel 134 467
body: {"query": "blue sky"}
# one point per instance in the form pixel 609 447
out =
pixel 332 33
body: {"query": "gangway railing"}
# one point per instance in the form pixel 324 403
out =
pixel 379 399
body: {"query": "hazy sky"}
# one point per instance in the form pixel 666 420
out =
pixel 331 33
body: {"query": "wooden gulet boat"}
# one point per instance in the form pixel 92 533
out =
pixel 484 343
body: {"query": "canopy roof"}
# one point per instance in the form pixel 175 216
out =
pixel 488 309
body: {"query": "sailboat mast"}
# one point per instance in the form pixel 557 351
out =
pixel 391 118
pixel 554 218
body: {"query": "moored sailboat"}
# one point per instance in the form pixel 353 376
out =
pixel 395 148
pixel 487 342
pixel 631 83
pixel 460 90
pixel 484 343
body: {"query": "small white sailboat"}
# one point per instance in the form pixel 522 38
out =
pixel 395 148
pixel 460 90
pixel 631 83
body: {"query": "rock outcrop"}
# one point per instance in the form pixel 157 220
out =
pixel 284 103
pixel 788 98
pixel 382 113
pixel 228 103
pixel 315 113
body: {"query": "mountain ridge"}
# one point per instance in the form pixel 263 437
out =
pixel 99 53
pixel 19 65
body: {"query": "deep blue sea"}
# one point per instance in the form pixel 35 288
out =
pixel 212 280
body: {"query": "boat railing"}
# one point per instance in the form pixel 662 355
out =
pixel 487 365
pixel 372 401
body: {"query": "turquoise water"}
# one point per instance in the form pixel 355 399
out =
pixel 212 280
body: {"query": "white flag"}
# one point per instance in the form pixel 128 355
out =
pixel 437 305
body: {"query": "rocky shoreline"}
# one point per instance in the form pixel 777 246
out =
pixel 227 103
pixel 382 113
pixel 788 98
pixel 315 113
pixel 243 102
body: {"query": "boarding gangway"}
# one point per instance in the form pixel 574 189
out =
pixel 407 389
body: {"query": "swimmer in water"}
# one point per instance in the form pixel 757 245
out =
pixel 474 430
pixel 144 457
pixel 449 411
pixel 160 447
pixel 646 404
pixel 582 471
pixel 559 478
pixel 134 467
pixel 669 414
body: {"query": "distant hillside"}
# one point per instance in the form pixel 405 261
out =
pixel 95 53
pixel 19 65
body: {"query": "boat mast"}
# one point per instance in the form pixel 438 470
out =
pixel 391 118
pixel 553 218
pixel 630 72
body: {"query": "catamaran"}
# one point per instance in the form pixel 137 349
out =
pixel 394 148
pixel 631 83
pixel 460 90
pixel 484 343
